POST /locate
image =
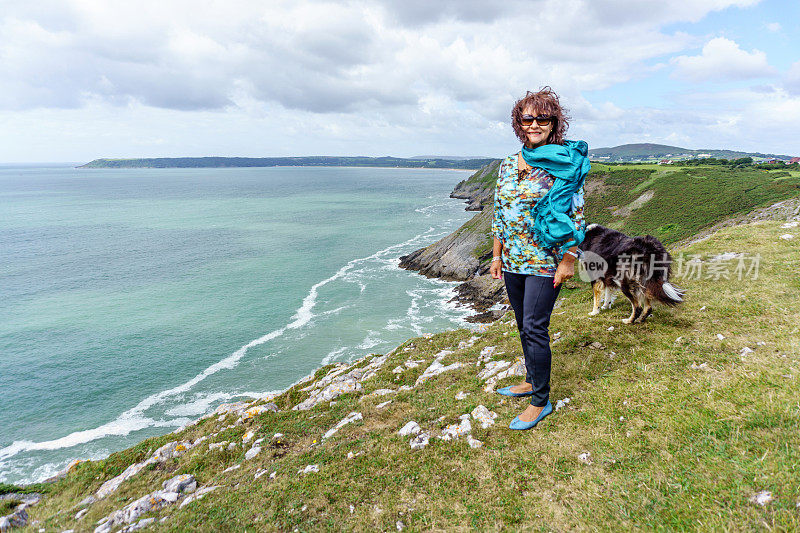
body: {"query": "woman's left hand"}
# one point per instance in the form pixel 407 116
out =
pixel 564 271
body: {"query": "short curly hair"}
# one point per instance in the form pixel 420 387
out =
pixel 546 102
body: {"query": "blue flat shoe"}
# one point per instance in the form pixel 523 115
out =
pixel 506 391
pixel 519 424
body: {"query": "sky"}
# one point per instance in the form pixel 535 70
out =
pixel 85 79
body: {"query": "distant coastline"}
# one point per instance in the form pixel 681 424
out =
pixel 311 161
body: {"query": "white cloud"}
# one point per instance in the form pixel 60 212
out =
pixel 792 79
pixel 355 67
pixel 722 60
pixel 774 27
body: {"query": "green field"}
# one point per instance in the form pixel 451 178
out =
pixel 684 200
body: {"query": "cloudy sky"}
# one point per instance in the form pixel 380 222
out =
pixel 83 79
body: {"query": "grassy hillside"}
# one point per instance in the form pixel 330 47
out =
pixel 675 203
pixel 650 150
pixel 484 177
pixel 670 425
pixel 671 203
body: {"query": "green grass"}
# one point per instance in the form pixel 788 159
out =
pixel 673 448
pixel 485 176
pixel 685 200
pixel 8 506
pixel 6 488
pixel 672 214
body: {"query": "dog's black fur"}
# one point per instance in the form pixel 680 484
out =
pixel 636 281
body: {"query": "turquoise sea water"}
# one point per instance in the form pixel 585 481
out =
pixel 133 301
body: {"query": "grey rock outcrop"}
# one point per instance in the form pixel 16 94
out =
pixel 453 257
pixel 465 255
pixel 475 190
pixel 173 489
pixel 164 453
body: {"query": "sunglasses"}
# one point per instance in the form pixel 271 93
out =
pixel 541 120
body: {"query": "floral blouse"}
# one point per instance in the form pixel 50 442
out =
pixel 514 198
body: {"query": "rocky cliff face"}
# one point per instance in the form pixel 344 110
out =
pixel 478 189
pixel 466 254
pixel 456 257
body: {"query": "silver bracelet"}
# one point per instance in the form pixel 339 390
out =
pixel 496 258
pixel 573 254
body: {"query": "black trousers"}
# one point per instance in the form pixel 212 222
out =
pixel 532 298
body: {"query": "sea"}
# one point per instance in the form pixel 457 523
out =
pixel 133 301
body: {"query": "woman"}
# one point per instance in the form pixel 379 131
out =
pixel 537 226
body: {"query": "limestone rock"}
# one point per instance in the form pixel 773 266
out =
pixel 198 495
pixel 382 392
pixel 482 293
pixel 252 452
pixel 492 368
pixel 486 353
pixel 113 484
pixel 352 417
pixel 762 498
pixel 164 453
pixel 473 442
pixel 451 257
pixel 183 483
pixel 435 369
pixel 141 524
pixel 336 387
pixel 560 404
pixel 420 441
pixel 441 354
pixel 453 431
pixel 411 428
pixel 309 469
pixel 484 416
pixel 149 503
pixel 259 409
pixel 19 518
pixel 228 408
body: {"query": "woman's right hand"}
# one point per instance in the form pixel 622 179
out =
pixel 496 270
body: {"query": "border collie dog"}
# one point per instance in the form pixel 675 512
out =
pixel 639 266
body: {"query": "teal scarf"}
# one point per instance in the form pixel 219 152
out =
pixel 569 164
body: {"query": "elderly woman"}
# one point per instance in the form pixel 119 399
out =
pixel 538 224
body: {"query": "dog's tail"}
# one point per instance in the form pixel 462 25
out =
pixel 658 286
pixel 665 292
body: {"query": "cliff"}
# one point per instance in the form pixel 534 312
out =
pixel 673 422
pixel 636 200
pixel 416 438
pixel 466 254
pixel 478 189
